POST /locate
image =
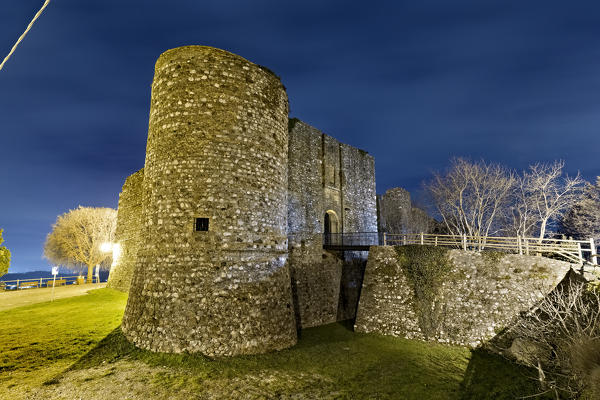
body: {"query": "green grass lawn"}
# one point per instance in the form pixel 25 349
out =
pixel 41 340
pixel 44 343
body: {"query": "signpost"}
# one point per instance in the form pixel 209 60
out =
pixel 54 273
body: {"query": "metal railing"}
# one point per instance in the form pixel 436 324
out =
pixel 20 284
pixel 353 239
pixel 576 251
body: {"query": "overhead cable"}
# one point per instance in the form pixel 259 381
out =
pixel 37 15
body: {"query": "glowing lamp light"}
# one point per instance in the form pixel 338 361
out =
pixel 106 247
pixel 116 250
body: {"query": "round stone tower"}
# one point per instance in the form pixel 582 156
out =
pixel 212 274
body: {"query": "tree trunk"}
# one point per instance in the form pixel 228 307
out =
pixel 542 230
pixel 90 274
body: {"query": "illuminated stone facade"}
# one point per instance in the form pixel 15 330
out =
pixel 331 187
pixel 480 295
pixel 212 268
pixel 217 149
pixel 128 233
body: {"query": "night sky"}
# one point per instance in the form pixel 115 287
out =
pixel 413 83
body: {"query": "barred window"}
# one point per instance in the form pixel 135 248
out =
pixel 201 224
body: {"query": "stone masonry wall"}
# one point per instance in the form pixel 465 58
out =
pixel 394 211
pixel 481 295
pixel 217 149
pixel 128 232
pixel 305 180
pixel 324 175
pixel 315 274
pixel 358 190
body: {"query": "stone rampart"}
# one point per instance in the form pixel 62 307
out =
pixel 216 159
pixel 128 233
pixel 480 294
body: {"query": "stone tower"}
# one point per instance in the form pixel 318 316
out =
pixel 212 275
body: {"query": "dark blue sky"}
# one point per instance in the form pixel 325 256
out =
pixel 413 83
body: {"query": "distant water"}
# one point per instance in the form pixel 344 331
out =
pixel 46 274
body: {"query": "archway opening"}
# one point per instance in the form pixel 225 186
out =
pixel 331 227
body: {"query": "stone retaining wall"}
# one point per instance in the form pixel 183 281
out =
pixel 480 295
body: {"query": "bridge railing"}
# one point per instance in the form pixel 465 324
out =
pixel 353 239
pixel 572 250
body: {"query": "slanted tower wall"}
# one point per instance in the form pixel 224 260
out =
pixel 128 234
pixel 217 150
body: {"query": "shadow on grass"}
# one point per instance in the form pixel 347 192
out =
pixel 112 348
pixel 490 376
pixel 354 366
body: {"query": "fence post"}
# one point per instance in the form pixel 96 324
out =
pixel 526 245
pixel 384 239
pixel 519 244
pixel 422 239
pixel 593 250
pixel 579 251
pixel 17 284
pixel 404 240
pixel 436 241
pixel 464 240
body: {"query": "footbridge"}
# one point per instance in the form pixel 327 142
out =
pixel 575 251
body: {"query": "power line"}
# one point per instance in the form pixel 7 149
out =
pixel 37 15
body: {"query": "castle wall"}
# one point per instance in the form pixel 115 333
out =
pixel 397 215
pixel 315 273
pixel 332 179
pixel 480 295
pixel 358 190
pixel 217 149
pixel 305 180
pixel 128 233
pixel 325 175
pixel 394 211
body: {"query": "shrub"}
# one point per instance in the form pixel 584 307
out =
pixel 560 338
pixel 426 268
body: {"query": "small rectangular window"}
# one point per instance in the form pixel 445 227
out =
pixel 201 224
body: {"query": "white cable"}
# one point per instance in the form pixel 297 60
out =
pixel 37 15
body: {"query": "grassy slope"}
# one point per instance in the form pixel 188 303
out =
pixel 38 342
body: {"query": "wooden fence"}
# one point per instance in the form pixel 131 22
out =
pixel 576 251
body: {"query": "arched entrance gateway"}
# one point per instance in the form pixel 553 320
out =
pixel 330 227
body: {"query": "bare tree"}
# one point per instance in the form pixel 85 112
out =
pixel 520 218
pixel 560 339
pixel 4 257
pixel 582 220
pixel 77 237
pixel 549 194
pixel 420 222
pixel 471 196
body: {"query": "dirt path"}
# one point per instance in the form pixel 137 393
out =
pixel 18 298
